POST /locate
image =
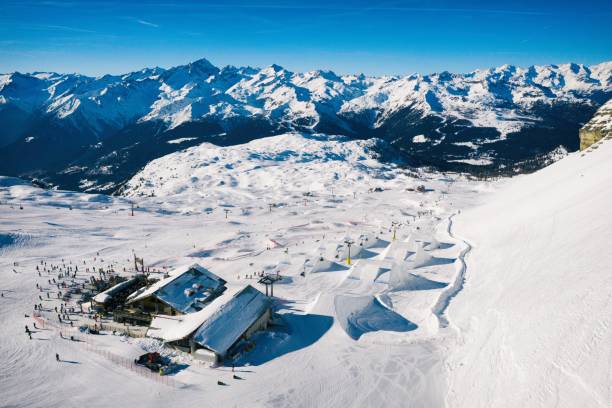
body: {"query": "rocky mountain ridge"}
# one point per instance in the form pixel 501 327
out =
pixel 93 134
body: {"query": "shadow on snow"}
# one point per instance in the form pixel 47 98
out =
pixel 293 332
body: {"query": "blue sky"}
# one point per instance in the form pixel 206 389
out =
pixel 373 37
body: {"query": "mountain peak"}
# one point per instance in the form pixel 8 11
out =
pixel 328 74
pixel 201 67
pixel 202 63
pixel 273 69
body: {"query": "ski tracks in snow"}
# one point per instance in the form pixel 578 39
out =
pixel 457 285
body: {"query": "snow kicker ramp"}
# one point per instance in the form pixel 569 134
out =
pixel 363 314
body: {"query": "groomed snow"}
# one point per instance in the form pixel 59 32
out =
pixel 535 315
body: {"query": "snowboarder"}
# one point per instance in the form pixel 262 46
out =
pixel 57 357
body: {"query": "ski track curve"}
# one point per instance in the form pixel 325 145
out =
pixel 452 290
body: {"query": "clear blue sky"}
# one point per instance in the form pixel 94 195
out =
pixel 373 37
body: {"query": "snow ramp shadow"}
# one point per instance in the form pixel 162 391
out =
pixel 362 314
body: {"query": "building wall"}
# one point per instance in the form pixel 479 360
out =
pixel 206 356
pixel 153 305
pixel 260 324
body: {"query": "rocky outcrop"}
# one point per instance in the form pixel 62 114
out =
pixel 599 127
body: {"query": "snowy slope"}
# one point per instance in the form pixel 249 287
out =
pixel 361 335
pixel 535 315
pixel 276 166
pixel 529 317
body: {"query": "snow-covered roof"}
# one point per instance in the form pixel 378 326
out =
pixel 186 290
pixel 105 296
pixel 172 328
pixel 225 326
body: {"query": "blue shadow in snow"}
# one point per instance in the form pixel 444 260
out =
pixel 435 261
pixel 363 314
pixel 294 332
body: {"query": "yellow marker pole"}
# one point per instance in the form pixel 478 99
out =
pixel 348 255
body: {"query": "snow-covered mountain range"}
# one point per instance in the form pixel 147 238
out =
pixel 72 130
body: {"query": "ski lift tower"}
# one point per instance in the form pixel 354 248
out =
pixel 269 280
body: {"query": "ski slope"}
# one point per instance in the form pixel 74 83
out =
pixel 535 315
pixel 357 334
pixel 471 294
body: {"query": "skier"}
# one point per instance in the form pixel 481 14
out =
pixel 57 357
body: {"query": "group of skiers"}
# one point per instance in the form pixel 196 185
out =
pixel 63 276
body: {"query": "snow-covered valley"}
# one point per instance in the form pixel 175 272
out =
pixel 459 292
